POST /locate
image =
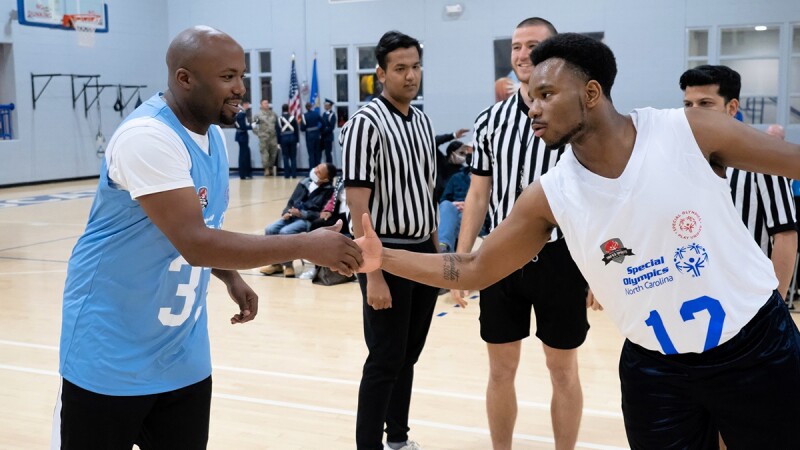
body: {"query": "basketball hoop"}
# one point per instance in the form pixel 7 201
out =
pixel 84 25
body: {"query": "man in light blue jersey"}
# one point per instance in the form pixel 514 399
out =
pixel 134 355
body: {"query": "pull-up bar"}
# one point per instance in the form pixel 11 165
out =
pixel 75 96
pixel 76 93
pixel 35 96
pixel 98 89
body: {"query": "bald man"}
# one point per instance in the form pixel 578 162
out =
pixel 135 360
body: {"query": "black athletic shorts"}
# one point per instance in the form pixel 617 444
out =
pixel 169 420
pixel 746 388
pixel 554 286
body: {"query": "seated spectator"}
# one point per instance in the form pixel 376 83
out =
pixel 335 209
pixel 451 208
pixel 453 160
pixel 303 207
pixel 442 158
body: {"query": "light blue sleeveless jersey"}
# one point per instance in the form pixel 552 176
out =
pixel 134 314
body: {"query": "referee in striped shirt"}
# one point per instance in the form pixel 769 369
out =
pixel 389 171
pixel 765 202
pixel 507 157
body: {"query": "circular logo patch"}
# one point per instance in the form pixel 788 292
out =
pixel 687 225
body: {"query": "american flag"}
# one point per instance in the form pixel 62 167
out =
pixel 295 108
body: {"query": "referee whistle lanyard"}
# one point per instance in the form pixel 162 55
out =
pixel 524 146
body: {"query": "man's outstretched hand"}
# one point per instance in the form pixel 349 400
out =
pixel 371 246
pixel 335 250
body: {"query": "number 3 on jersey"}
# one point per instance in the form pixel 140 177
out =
pixel 688 310
pixel 187 291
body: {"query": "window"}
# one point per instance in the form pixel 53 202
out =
pixel 258 79
pixel 355 81
pixel 368 85
pixel 247 77
pixel 265 75
pixel 794 77
pixel 341 88
pixel 754 53
pixel 697 54
pixel 340 73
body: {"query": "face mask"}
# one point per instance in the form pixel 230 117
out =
pixel 457 158
pixel 314 177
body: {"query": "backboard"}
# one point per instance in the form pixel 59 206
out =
pixel 50 13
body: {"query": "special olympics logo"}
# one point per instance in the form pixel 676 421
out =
pixel 687 225
pixel 690 259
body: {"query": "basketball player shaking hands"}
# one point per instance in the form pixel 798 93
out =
pixel 710 344
pixel 134 356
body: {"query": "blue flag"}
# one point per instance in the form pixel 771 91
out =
pixel 314 97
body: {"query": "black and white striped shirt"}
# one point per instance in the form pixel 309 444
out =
pixel 506 149
pixel 394 155
pixel 765 203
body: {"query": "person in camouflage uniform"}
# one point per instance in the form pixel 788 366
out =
pixel 267 140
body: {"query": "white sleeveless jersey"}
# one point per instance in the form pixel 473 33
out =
pixel 662 246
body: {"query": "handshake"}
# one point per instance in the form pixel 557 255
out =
pixel 344 255
pixel 371 246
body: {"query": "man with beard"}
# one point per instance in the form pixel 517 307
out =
pixel 134 355
pixel 709 342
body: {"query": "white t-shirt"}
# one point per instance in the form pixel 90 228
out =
pixel 146 156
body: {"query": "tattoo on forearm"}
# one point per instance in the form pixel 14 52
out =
pixel 451 270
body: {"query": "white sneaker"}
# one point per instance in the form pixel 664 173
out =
pixel 410 445
pixel 308 274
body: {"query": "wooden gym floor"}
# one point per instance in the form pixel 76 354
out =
pixel 288 380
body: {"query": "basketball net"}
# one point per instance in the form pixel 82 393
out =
pixel 85 26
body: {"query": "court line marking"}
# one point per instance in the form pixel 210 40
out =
pixel 28 370
pixel 29 345
pixel 425 423
pixel 317 379
pixel 33 244
pixel 345 412
pixel 47 198
pixel 32 272
pixel 40 223
pixel 432 392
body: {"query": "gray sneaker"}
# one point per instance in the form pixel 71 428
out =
pixel 410 445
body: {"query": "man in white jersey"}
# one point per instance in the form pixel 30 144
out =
pixel 134 356
pixel 710 344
